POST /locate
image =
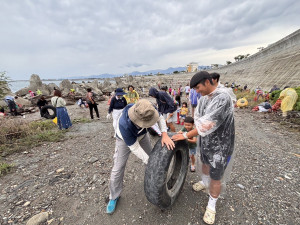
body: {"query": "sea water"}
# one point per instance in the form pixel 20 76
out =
pixel 16 85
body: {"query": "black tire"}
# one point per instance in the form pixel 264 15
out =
pixel 152 131
pixel 48 111
pixel 164 180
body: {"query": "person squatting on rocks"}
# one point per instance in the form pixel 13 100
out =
pixel 132 136
pixel 215 125
pixel 117 104
pixel 92 104
pixel 166 106
pixel 10 101
pixel 63 119
pixel 41 103
pixel 131 96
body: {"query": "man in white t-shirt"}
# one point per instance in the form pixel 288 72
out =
pixel 187 91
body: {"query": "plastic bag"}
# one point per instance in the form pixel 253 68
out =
pixel 242 102
pixel 289 97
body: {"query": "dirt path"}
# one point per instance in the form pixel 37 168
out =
pixel 264 188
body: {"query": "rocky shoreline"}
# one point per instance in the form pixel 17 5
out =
pixel 101 89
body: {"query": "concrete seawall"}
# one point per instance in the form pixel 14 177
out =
pixel 278 64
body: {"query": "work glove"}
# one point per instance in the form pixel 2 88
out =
pixel 109 117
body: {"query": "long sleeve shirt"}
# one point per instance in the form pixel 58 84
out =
pixel 58 101
pixel 164 101
pixel 131 134
pixel 117 103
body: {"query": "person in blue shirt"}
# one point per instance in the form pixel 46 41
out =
pixel 132 136
pixel 117 104
pixel 166 106
pixel 194 98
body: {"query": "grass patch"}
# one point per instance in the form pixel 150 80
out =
pixel 5 168
pixel 82 120
pixel 249 96
pixel 19 135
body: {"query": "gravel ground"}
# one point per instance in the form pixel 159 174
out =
pixel 69 179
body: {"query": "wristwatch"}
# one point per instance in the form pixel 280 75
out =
pixel 184 135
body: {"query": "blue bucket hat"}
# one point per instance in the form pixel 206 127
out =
pixel 119 91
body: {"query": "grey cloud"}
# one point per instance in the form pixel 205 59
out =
pixel 135 64
pixel 93 36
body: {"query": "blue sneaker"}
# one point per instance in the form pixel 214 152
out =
pixel 111 206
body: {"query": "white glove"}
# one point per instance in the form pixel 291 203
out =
pixel 109 117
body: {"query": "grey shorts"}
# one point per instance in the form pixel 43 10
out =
pixel 217 172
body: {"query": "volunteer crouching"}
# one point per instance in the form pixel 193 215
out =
pixel 132 136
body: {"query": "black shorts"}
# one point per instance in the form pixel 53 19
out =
pixel 194 105
pixel 217 172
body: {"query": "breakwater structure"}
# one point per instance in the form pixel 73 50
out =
pixel 279 64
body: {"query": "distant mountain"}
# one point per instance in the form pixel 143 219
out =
pixel 137 73
pixel 167 71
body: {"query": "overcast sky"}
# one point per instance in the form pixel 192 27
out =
pixel 63 38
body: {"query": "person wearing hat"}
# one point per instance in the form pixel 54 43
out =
pixel 132 136
pixel 117 104
pixel 215 126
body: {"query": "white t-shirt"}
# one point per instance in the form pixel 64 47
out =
pixel 187 89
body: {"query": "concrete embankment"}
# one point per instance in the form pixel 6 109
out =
pixel 278 64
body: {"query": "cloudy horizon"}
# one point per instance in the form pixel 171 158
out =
pixel 60 39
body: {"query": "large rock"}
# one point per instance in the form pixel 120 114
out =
pixel 23 91
pixel 35 82
pixel 129 79
pixel 45 89
pixel 106 83
pixel 65 84
pixel 118 80
pixel 23 101
pixel 51 87
pixel 38 219
pixel 65 87
pixel 95 87
pixel 80 90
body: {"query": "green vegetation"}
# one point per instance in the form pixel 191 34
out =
pixel 275 95
pixel 5 168
pixel 297 105
pixel 19 135
pixel 81 120
pixel 240 57
pixel 3 84
pixel 249 96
